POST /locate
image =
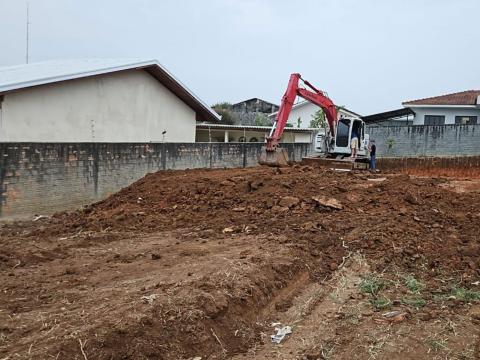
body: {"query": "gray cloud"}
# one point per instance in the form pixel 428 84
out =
pixel 368 55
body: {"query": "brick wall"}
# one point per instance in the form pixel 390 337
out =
pixel 414 141
pixel 41 178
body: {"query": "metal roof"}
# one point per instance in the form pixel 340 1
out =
pixel 34 74
pixel 251 127
pixel 388 115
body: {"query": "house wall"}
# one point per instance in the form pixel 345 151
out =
pixel 449 113
pixel 128 106
pixel 235 135
pixel 305 112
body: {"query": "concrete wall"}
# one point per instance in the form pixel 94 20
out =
pixel 447 140
pixel 464 165
pixel 128 106
pixel 44 178
pixel 449 113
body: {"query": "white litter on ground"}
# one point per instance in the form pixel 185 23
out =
pixel 281 333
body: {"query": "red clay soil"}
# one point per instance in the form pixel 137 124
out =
pixel 197 263
pixel 458 172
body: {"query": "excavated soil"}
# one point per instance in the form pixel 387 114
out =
pixel 199 264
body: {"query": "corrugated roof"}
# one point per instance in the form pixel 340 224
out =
pixel 388 115
pixel 34 74
pixel 469 97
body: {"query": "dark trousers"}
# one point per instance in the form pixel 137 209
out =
pixel 373 162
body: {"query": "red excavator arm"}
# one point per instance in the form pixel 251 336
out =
pixel 314 95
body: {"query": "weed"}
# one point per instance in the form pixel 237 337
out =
pixel 438 345
pixel 467 354
pixel 416 302
pixel 464 294
pixel 413 284
pixel 381 303
pixel 371 285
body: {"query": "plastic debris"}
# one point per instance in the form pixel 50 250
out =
pixel 391 317
pixel 149 298
pixel 281 333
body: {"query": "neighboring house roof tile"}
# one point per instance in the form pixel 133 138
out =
pixel 34 74
pixel 469 97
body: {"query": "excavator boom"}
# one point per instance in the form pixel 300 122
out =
pixel 271 154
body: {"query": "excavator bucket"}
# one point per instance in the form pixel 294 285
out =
pixel 277 157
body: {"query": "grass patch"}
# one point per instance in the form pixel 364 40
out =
pixel 438 345
pixel 381 303
pixel 416 303
pixel 413 284
pixel 371 285
pixel 464 294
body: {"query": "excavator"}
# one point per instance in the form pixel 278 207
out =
pixel 336 140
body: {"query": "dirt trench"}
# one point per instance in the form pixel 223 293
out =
pixel 200 263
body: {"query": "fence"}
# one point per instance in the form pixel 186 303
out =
pixel 41 178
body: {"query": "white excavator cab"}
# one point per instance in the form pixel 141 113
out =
pixel 346 129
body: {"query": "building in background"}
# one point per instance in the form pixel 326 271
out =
pixel 97 101
pixel 458 108
pixel 462 108
pixel 253 111
pixel 250 133
pixel 303 113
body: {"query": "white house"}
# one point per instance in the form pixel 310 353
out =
pixel 250 133
pixel 97 101
pixel 303 112
pixel 458 108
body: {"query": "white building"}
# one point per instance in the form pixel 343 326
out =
pixel 303 112
pixel 250 133
pixel 458 108
pixel 97 101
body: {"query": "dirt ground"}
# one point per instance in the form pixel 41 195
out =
pixel 204 264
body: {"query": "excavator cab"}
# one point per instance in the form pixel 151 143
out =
pixel 346 129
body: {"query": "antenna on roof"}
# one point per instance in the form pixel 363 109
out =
pixel 28 30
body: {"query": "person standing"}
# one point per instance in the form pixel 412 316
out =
pixel 354 145
pixel 373 155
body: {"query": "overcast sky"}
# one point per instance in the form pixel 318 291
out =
pixel 369 55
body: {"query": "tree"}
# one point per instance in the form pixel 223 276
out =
pixel 318 120
pixel 262 120
pixel 224 109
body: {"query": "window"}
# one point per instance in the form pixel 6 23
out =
pixel 434 120
pixel 466 120
pixel 343 128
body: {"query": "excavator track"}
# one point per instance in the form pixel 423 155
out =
pixel 337 164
